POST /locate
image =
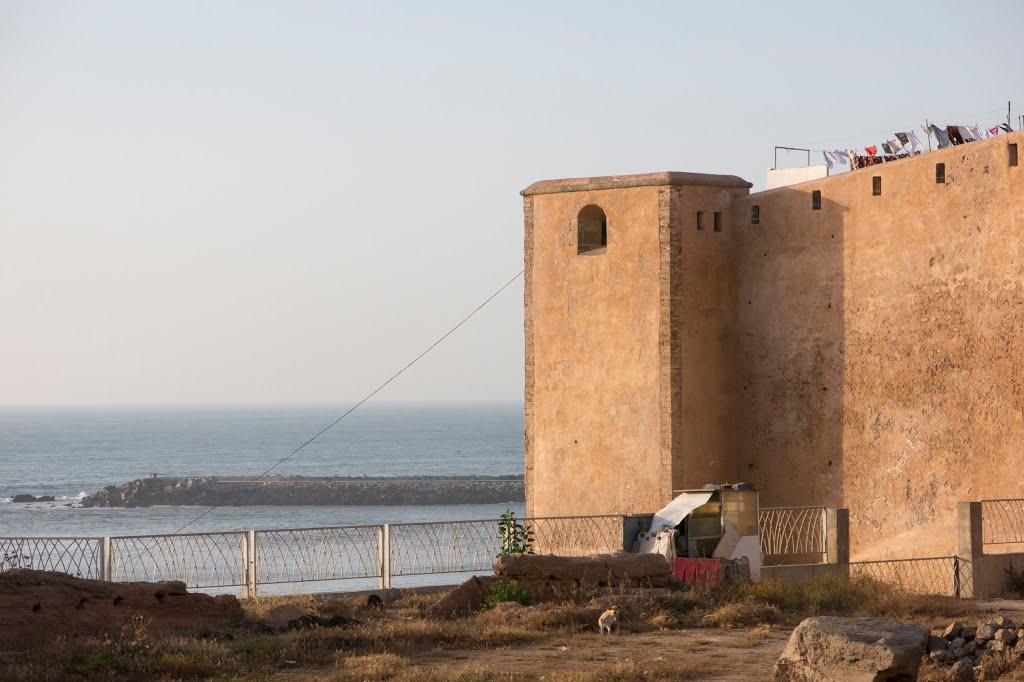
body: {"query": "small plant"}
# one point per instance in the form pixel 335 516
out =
pixel 516 538
pixel 10 560
pixel 510 591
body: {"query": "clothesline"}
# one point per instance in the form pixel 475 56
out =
pixel 860 136
pixel 907 143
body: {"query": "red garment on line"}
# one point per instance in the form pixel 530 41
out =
pixel 872 150
pixel 694 570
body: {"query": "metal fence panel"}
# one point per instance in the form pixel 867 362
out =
pixel 443 547
pixel 1002 522
pixel 576 535
pixel 295 555
pixel 197 559
pixel 79 557
pixel 792 534
pixel 948 575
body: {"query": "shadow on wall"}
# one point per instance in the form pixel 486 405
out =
pixel 790 336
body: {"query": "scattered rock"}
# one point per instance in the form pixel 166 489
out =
pixel 943 657
pixel 1006 635
pixel 1004 622
pixel 852 649
pixel 936 644
pixel 962 672
pixel 953 630
pixel 969 633
pixel 985 632
pixel 958 643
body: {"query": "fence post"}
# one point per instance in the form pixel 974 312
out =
pixel 384 555
pixel 969 526
pixel 106 570
pixel 245 565
pixel 956 576
pixel 249 559
pixel 837 536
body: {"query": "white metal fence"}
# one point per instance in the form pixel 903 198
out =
pixel 792 535
pixel 358 556
pixel 248 559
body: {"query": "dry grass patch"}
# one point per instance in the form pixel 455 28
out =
pixel 743 614
pixel 754 637
pixel 631 669
pixel 769 602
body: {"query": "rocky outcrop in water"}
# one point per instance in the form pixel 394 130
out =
pixel 32 498
pixel 299 490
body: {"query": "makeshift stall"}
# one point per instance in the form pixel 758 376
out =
pixel 708 534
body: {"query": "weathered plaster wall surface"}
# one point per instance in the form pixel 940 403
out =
pixel 882 341
pixel 869 354
pixel 703 320
pixel 593 404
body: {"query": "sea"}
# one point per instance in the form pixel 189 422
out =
pixel 69 452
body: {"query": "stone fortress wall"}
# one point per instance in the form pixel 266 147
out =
pixel 866 354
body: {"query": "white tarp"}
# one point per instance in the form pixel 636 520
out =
pixel 678 509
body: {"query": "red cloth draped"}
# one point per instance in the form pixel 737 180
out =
pixel 694 570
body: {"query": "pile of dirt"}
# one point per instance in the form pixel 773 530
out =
pixel 49 604
pixel 561 578
pixel 464 599
pixel 600 570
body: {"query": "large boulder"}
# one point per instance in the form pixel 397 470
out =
pixel 853 650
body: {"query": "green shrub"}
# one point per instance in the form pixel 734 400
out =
pixel 510 591
pixel 515 537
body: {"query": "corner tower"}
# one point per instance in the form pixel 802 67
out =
pixel 629 314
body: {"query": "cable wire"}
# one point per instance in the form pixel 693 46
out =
pixel 889 133
pixel 368 396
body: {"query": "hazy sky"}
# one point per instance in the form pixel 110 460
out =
pixel 209 202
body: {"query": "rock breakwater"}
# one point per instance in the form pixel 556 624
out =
pixel 299 490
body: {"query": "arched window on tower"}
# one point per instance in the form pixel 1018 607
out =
pixel 591 230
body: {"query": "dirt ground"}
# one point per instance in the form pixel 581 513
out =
pixel 696 654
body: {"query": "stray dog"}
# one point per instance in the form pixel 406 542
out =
pixel 609 620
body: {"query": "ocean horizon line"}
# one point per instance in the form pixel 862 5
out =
pixel 43 407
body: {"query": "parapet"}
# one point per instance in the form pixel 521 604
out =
pixel 641 180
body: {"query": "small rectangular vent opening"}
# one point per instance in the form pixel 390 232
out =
pixel 1013 154
pixel 876 186
pixel 755 215
pixel 700 220
pixel 940 173
pixel 816 200
pixel 718 221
